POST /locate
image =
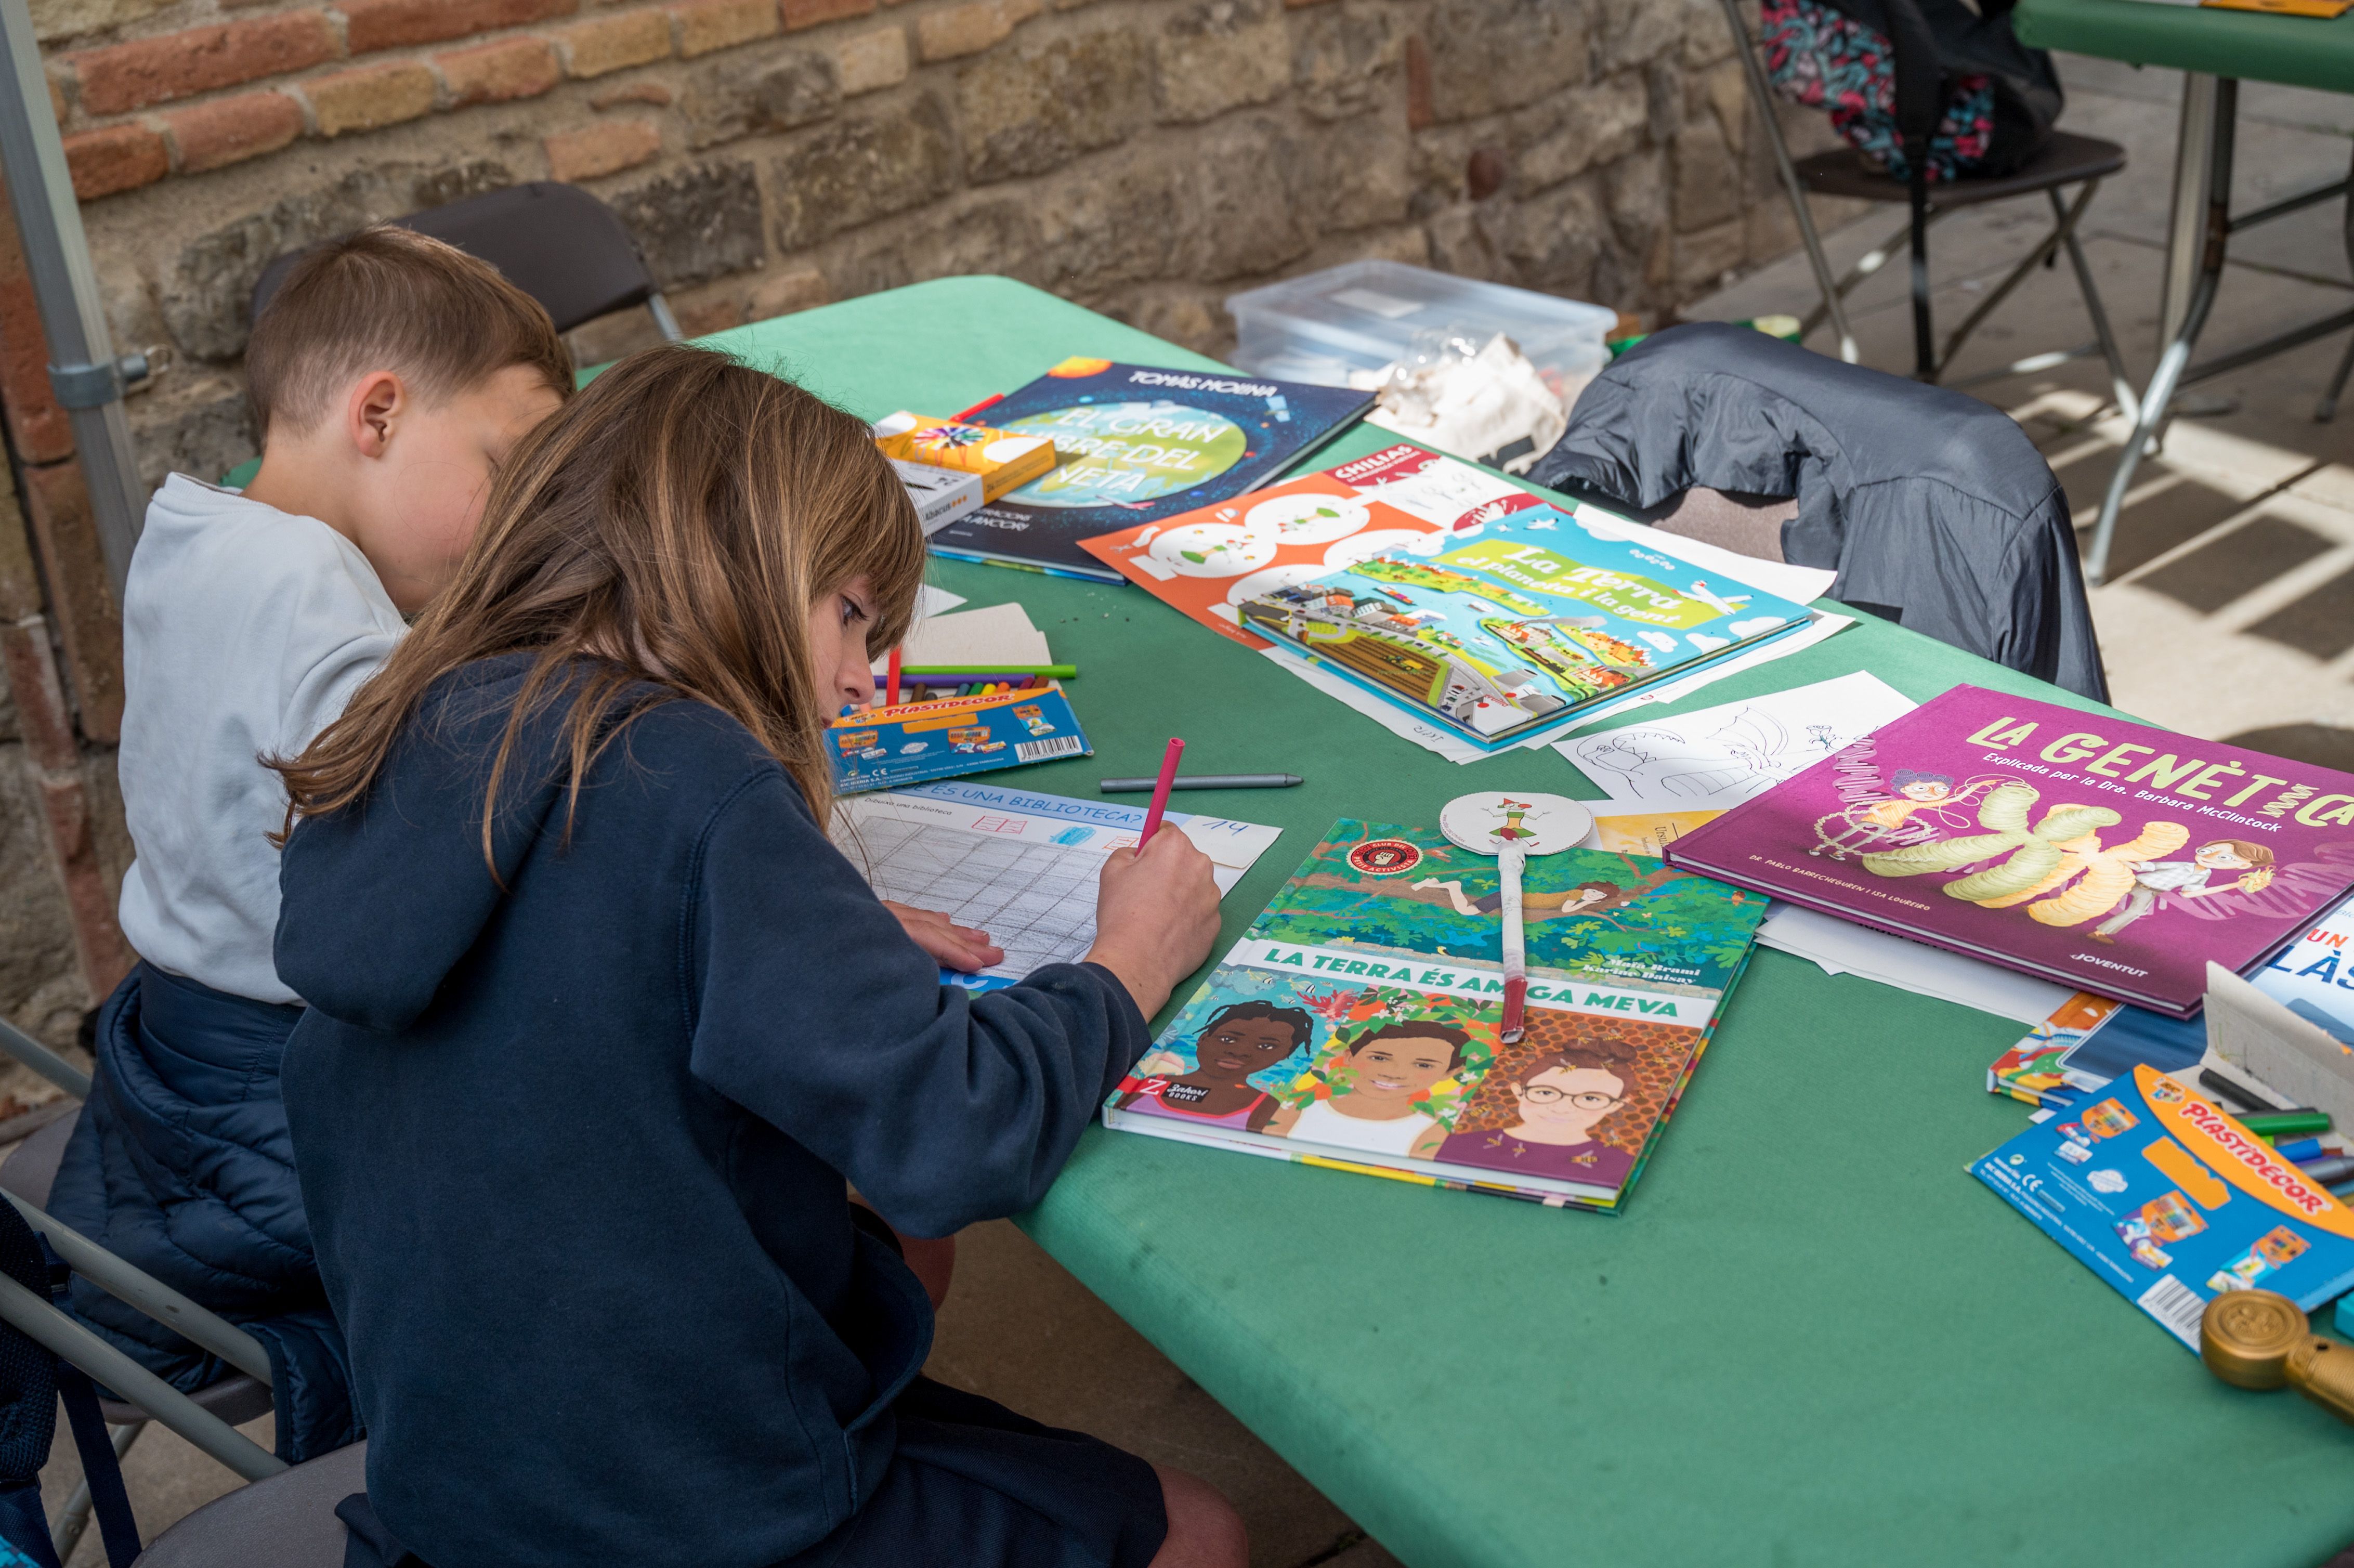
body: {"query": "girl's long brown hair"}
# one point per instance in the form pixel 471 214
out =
pixel 672 526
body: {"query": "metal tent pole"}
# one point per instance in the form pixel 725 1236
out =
pixel 83 370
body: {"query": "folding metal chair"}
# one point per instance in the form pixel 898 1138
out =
pixel 280 1521
pixel 209 1417
pixel 555 242
pixel 2069 160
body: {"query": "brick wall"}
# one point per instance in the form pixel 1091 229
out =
pixel 1146 157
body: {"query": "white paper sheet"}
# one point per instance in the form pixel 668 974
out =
pixel 1823 625
pixel 1803 584
pixel 1018 865
pixel 998 637
pixel 1722 756
pixel 1839 947
pixel 930 600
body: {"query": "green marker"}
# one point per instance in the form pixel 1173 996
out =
pixel 2286 1123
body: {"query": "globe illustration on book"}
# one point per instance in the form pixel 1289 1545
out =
pixel 1124 453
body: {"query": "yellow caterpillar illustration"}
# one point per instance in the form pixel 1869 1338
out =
pixel 2031 854
pixel 2062 852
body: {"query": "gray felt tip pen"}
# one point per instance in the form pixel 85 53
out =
pixel 1204 781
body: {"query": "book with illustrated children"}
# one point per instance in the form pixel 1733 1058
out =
pixel 1134 444
pixel 2159 1189
pixel 1206 562
pixel 1501 626
pixel 2112 858
pixel 2089 1040
pixel 1357 1023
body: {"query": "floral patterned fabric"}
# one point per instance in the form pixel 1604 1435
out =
pixel 1817 56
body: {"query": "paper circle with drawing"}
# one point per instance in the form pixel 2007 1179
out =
pixel 1212 549
pixel 1118 454
pixel 1487 822
pixel 1307 519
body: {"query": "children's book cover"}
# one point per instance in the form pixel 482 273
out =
pixel 1357 1023
pixel 2162 1192
pixel 1519 627
pixel 2108 856
pixel 1208 561
pixel 910 743
pixel 1136 445
pixel 2090 1039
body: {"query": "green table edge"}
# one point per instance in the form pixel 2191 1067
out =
pixel 2251 46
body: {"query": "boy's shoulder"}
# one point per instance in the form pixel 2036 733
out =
pixel 203 545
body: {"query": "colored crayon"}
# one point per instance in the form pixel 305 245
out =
pixel 912 677
pixel 992 672
pixel 2298 1119
pixel 2231 1090
pixel 2340 1169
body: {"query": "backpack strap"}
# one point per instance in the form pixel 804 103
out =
pixel 101 1468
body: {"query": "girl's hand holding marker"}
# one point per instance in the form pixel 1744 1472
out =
pixel 1156 916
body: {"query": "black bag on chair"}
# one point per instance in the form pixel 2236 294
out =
pixel 1880 66
pixel 32 1380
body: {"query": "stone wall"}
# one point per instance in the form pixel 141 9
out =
pixel 1144 157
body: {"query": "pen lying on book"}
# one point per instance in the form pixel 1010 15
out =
pixel 1204 781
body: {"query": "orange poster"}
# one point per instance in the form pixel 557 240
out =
pixel 1207 561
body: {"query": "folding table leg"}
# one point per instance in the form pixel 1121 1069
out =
pixel 2207 168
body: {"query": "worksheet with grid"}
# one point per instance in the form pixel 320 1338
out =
pixel 1021 866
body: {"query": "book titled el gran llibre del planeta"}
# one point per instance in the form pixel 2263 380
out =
pixel 2106 855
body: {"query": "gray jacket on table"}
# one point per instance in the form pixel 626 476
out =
pixel 1934 509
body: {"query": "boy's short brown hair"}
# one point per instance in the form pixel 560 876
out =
pixel 386 298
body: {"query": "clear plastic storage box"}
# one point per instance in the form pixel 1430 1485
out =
pixel 1364 316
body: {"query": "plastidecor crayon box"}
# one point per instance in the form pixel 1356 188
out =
pixel 2162 1192
pixel 913 743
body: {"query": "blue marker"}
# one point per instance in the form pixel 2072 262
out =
pixel 2297 1150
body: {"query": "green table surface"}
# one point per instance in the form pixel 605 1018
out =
pixel 2297 51
pixel 1811 1339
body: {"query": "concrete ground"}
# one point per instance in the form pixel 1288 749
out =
pixel 2231 613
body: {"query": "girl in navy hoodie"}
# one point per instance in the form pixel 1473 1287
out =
pixel 602 1026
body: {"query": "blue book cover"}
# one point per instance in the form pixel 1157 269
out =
pixel 2159 1189
pixel 1509 626
pixel 1133 444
